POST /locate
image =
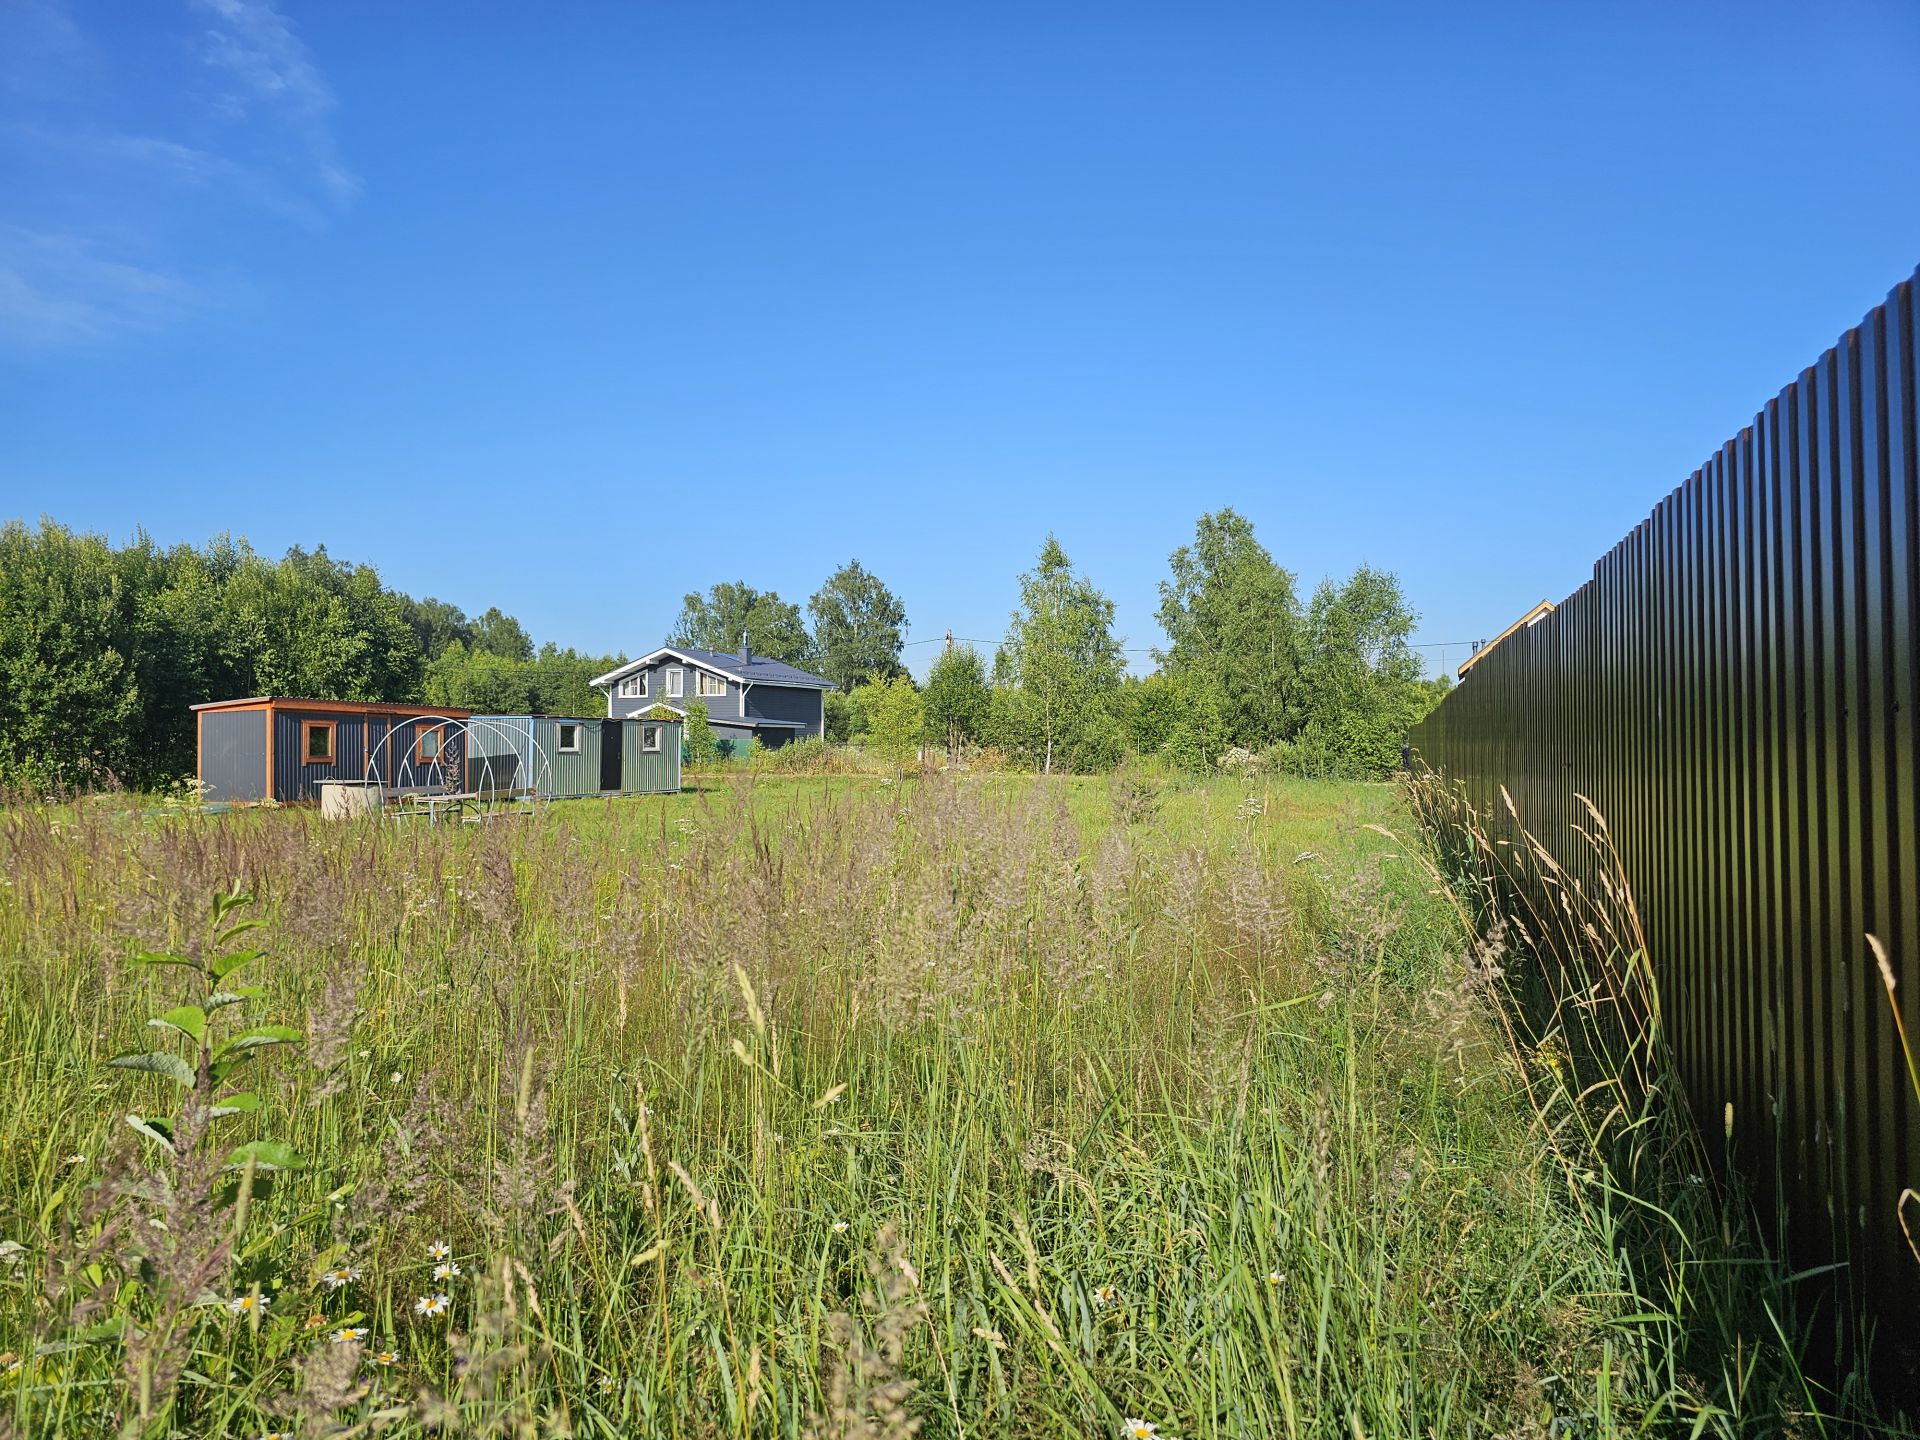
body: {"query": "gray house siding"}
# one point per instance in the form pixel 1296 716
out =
pixel 796 709
pixel 777 702
pixel 719 707
pixel 233 754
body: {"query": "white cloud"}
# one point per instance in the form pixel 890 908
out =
pixel 57 288
pixel 274 78
pixel 117 230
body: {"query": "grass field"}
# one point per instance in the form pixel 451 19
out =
pixel 818 1107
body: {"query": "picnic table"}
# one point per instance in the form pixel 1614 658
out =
pixel 432 805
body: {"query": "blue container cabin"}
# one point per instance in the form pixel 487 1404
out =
pixel 280 748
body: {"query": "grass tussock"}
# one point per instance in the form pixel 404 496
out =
pixel 826 1107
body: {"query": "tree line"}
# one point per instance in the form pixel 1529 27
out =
pixel 1250 672
pixel 104 648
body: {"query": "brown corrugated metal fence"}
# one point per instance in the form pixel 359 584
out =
pixel 1734 690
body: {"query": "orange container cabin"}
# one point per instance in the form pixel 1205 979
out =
pixel 274 747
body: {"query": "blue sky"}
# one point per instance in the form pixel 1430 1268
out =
pixel 573 308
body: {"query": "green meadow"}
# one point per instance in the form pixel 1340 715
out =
pixel 967 1106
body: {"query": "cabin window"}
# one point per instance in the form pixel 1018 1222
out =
pixel 649 737
pixel 634 687
pixel 705 684
pixel 426 748
pixel 316 741
pixel 570 739
pixel 676 683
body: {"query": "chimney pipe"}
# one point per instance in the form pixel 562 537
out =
pixel 746 654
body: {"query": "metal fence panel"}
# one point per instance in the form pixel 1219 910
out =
pixel 1734 690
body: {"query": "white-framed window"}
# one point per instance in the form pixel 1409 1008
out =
pixel 570 737
pixel 649 737
pixel 634 687
pixel 705 684
pixel 676 683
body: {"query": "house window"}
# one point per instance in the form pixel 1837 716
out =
pixel 649 737
pixel 427 746
pixel 634 687
pixel 316 741
pixel 705 684
pixel 676 683
pixel 570 739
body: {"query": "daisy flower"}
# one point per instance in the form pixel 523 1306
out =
pixel 1104 1295
pixel 446 1270
pixel 348 1333
pixel 1274 1277
pixel 439 1250
pixel 1139 1430
pixel 431 1305
pixel 606 1384
pixel 339 1279
pixel 386 1357
pixel 839 1227
pixel 251 1303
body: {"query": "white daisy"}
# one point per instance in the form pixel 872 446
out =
pixel 439 1250
pixel 839 1227
pixel 251 1303
pixel 431 1305
pixel 339 1279
pixel 1139 1430
pixel 1104 1295
pixel 446 1270
pixel 349 1333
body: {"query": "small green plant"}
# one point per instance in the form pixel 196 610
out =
pixel 200 1064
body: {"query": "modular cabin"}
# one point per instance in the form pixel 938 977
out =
pixel 561 757
pixel 273 747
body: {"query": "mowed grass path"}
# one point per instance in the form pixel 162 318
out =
pixel 794 1107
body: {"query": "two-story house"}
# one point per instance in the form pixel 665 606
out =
pixel 747 696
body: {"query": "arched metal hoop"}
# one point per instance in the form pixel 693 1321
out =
pixel 470 787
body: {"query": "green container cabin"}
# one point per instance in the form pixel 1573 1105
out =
pixel 563 757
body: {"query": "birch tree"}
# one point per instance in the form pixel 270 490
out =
pixel 1060 657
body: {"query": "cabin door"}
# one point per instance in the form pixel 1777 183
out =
pixel 611 749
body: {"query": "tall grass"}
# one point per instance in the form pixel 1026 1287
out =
pixel 956 1107
pixel 1584 1022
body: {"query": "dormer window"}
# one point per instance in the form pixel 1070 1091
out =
pixel 705 684
pixel 634 687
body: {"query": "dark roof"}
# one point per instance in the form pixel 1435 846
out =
pixel 761 672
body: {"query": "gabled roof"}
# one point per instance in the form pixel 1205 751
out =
pixel 1532 617
pixel 761 671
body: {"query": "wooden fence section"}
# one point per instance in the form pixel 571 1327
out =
pixel 1734 690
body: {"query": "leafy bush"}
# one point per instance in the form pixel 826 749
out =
pixel 697 739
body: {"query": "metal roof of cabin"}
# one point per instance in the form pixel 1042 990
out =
pixel 353 707
pixel 758 671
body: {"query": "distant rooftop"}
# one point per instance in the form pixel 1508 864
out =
pixel 758 671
